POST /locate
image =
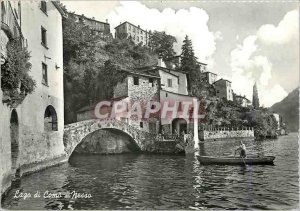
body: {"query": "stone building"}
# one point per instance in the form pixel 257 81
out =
pixel 98 27
pixel 173 90
pixel 175 63
pixel 136 87
pixel 278 120
pixel 223 89
pixel 210 77
pixel 129 30
pixel 241 100
pixel 32 131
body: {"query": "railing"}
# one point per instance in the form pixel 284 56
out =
pixel 212 128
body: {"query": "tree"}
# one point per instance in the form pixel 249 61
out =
pixel 16 82
pixel 197 85
pixel 108 78
pixel 255 99
pixel 188 60
pixel 162 44
pixel 79 46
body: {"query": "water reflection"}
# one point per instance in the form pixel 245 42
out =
pixel 170 182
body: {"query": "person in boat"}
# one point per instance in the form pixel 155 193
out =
pixel 176 134
pixel 242 149
pixel 183 136
pixel 163 134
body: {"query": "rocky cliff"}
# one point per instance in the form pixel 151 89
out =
pixel 288 108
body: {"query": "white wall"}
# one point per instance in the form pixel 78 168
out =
pixel 37 144
pixel 164 76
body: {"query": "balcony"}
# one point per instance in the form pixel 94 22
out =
pixel 10 28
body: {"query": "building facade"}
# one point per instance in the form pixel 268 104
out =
pixel 32 131
pixel 241 100
pixel 135 88
pixel 175 63
pixel 210 77
pixel 142 89
pixel 173 93
pixel 129 30
pixel 223 89
pixel 98 27
pixel 278 120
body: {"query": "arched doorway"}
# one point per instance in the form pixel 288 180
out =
pixel 180 125
pixel 50 119
pixel 14 138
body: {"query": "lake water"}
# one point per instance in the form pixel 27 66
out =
pixel 132 181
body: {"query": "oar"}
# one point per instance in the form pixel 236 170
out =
pixel 243 161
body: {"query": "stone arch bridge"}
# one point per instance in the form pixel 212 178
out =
pixel 74 133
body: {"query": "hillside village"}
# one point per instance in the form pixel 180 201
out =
pixel 140 61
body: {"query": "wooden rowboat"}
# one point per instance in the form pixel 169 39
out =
pixel 230 160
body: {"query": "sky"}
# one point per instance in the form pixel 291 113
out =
pixel 244 42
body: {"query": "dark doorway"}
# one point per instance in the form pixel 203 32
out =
pixel 180 125
pixel 50 119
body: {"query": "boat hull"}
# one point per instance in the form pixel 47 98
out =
pixel 207 160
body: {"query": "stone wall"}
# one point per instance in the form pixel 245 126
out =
pixel 222 134
pixel 143 92
pixel 165 147
pixel 121 89
pixel 5 147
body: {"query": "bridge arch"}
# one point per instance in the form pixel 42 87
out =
pixel 107 141
pixel 76 132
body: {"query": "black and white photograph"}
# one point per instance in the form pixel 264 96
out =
pixel 149 105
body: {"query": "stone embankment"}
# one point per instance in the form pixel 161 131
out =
pixel 225 134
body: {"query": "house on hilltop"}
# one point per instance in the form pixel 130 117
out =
pixel 241 100
pixel 223 89
pixel 99 28
pixel 136 33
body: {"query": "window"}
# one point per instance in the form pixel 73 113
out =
pixel 136 80
pixel 44 36
pixel 169 82
pixel 180 106
pixel 129 27
pixel 44 6
pixel 141 124
pixel 45 74
pixel 50 119
pixel 151 84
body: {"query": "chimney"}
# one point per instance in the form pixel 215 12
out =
pixel 106 20
pixel 138 26
pixel 93 18
pixel 160 63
